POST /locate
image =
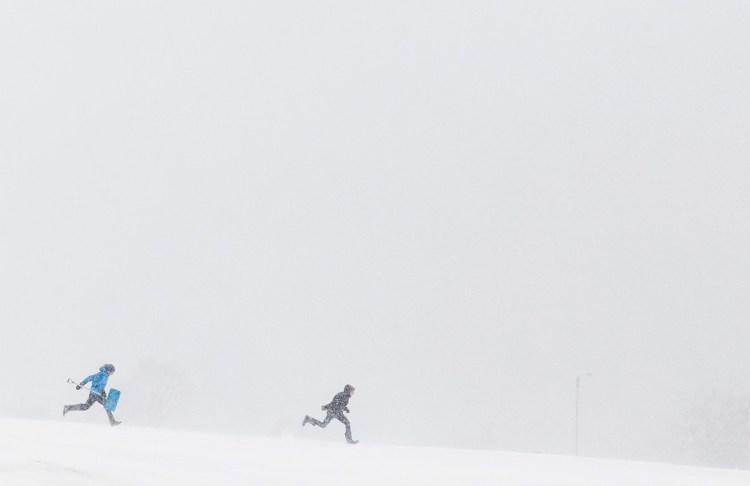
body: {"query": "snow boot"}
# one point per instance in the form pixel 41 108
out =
pixel 348 436
pixel 307 419
pixel 66 409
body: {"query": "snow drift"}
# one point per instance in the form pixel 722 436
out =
pixel 49 453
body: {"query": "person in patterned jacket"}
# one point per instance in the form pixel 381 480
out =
pixel 335 410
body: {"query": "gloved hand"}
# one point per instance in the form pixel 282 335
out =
pixel 78 387
pixel 346 409
pixel 104 394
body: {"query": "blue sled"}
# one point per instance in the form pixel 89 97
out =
pixel 110 404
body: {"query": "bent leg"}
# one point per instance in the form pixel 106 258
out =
pixel 85 406
pixel 324 423
pixel 342 418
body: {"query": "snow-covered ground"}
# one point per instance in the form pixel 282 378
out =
pixel 66 453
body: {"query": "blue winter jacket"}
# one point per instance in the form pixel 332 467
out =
pixel 98 381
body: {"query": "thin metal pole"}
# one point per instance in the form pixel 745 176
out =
pixel 84 387
pixel 578 393
pixel 578 388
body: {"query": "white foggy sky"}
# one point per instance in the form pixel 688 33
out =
pixel 455 206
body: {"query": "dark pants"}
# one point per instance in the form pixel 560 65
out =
pixel 338 416
pixel 93 397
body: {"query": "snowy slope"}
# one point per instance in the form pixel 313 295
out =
pixel 65 453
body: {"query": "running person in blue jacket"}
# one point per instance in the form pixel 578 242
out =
pixel 98 383
pixel 335 410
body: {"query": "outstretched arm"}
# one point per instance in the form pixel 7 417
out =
pixel 87 379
